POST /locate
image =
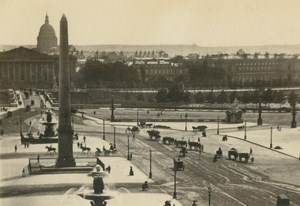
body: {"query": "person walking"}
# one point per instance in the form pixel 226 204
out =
pixel 16 148
pixel 251 152
pixel 84 138
pixel 38 158
pixel 131 173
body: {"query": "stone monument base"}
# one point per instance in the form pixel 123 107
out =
pixel 65 162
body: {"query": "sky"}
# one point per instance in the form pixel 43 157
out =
pixel 139 22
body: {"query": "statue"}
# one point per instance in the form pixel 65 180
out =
pixel 234 113
pixel 98 185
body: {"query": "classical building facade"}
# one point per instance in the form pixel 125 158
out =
pixel 22 68
pixel 149 68
pixel 245 69
pixel 46 39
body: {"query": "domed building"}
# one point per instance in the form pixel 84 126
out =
pixel 46 38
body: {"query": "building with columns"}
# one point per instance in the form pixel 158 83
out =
pixel 22 68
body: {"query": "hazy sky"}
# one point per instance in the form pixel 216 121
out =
pixel 203 22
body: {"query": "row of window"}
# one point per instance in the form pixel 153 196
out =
pixel 164 71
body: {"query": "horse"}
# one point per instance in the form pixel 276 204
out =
pixel 98 152
pixel 50 149
pixel 194 145
pixel 85 149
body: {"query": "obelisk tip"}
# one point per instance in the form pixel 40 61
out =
pixel 64 17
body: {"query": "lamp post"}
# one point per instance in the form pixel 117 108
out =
pixel 186 115
pixel 271 145
pixel 150 172
pixel 21 126
pixel 175 170
pixel 137 116
pixel 128 155
pixel 218 130
pixel 259 120
pixel 209 194
pixel 245 137
pixel 103 129
pixel 115 137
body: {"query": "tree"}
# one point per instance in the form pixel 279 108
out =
pixel 199 98
pixel 211 97
pixel 186 97
pixel 293 98
pixel 233 96
pixel 162 95
pixel 246 97
pixel 175 94
pixel 267 97
pixel 279 97
pixel 140 97
pixel 222 98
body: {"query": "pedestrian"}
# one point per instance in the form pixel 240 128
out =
pixel 84 138
pixel 198 139
pixel 27 144
pixel 251 151
pixel 78 144
pixel 145 186
pixel 194 203
pixel 24 144
pixel 108 169
pixel 131 173
pixel 16 148
pixel 23 172
pixel 30 123
pixel 94 112
pixel 38 158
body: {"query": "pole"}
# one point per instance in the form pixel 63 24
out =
pixel 21 125
pixel 245 137
pixel 209 195
pixel 115 137
pixel 103 129
pixel 128 156
pixel 186 121
pixel 271 145
pixel 137 116
pixel 175 170
pixel 150 173
pixel 218 130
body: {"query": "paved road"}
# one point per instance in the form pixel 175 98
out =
pixel 233 183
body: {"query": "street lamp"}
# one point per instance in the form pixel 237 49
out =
pixel 175 170
pixel 21 126
pixel 271 145
pixel 103 129
pixel 137 116
pixel 218 130
pixel 186 115
pixel 150 173
pixel 209 194
pixel 128 155
pixel 245 137
pixel 114 137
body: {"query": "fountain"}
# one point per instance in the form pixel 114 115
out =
pixel 48 136
pixel 99 196
pixel 49 126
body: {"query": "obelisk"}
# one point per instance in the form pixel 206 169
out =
pixel 65 132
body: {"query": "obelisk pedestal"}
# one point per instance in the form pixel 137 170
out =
pixel 65 132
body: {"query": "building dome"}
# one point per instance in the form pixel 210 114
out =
pixel 46 38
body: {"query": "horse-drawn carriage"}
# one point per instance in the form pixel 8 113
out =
pixel 238 155
pixel 194 145
pixel 154 135
pixel 199 128
pixel 168 140
pixel 180 143
pixel 178 165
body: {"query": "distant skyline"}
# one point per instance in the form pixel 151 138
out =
pixel 140 22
